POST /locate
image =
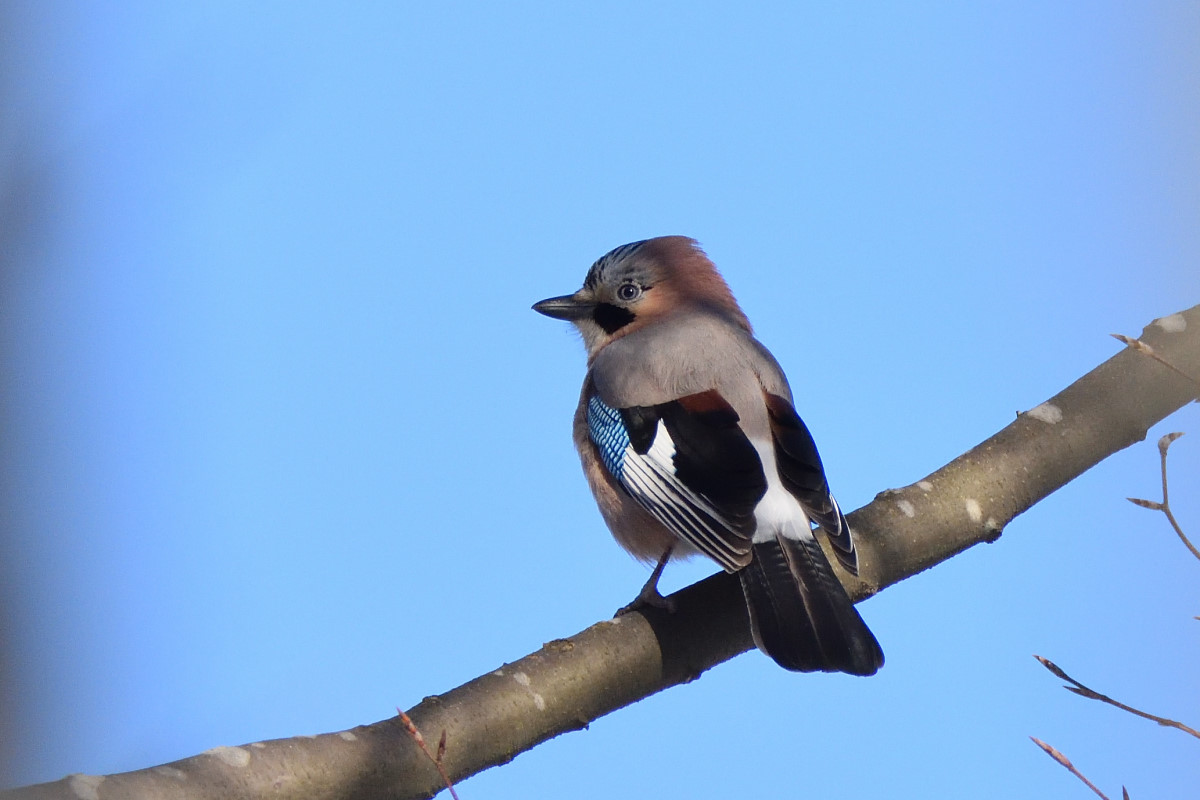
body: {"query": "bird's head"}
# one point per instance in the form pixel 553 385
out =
pixel 641 282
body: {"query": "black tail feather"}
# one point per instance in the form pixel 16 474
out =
pixel 801 615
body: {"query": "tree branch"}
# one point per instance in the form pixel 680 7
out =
pixel 1164 444
pixel 1066 762
pixel 570 682
pixel 1091 694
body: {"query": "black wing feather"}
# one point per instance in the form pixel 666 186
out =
pixel 714 458
pixel 803 475
pixel 707 494
pixel 641 422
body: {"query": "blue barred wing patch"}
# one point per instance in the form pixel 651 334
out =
pixel 607 431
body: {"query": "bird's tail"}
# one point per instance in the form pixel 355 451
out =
pixel 799 612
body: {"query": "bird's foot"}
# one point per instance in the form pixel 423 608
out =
pixel 648 597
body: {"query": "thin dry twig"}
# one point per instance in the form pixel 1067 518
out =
pixel 1066 762
pixel 1083 691
pixel 1163 445
pixel 1142 347
pixel 411 727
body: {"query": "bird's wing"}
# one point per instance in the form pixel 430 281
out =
pixel 690 465
pixel 802 474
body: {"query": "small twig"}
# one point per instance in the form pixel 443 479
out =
pixel 1066 762
pixel 1163 444
pixel 1083 691
pixel 1142 347
pixel 411 727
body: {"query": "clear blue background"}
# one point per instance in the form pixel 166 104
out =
pixel 285 448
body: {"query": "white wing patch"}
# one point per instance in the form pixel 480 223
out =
pixel 779 510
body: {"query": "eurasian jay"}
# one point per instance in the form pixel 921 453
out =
pixel 690 443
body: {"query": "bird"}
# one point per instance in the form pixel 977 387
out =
pixel 690 442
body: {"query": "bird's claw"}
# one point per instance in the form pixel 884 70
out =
pixel 650 598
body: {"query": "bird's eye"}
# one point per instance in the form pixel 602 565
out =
pixel 628 291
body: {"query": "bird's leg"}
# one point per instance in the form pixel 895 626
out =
pixel 649 595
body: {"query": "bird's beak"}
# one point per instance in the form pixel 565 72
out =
pixel 569 307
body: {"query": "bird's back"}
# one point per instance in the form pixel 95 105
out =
pixel 686 354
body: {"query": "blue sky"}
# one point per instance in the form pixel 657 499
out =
pixel 285 447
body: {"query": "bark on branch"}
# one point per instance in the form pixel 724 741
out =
pixel 570 682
